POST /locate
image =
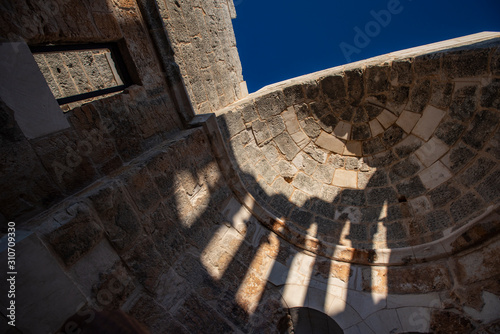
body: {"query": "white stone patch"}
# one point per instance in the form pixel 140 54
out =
pixel 375 127
pixel 386 118
pixel 434 175
pixel 431 151
pixel 330 143
pixel 345 178
pixel 420 205
pixel 428 123
pixel 343 130
pixel 489 311
pixel 414 319
pixel 384 321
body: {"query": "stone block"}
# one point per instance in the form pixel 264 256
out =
pixel 431 151
pixel 434 175
pixel 276 125
pixel 283 187
pixel 302 110
pixel 428 64
pixel 450 131
pixel 271 153
pixel 119 219
pixel 270 105
pixel 248 113
pixel 316 153
pixel 386 118
pixel 428 123
pixel 260 131
pixel 345 179
pixel 464 102
pixel 373 146
pixel 490 95
pixel 444 194
pixel 392 136
pixel 142 189
pixel 381 196
pixel 355 85
pixel 420 205
pixel 299 198
pixel 293 94
pixel 231 123
pixel 353 148
pixel 407 146
pixel 361 131
pixel 324 173
pixel 405 168
pixel 353 197
pixel 411 188
pixel 418 279
pixel 483 125
pixel 307 184
pixel 330 143
pixel 443 321
pixel 333 87
pixel 310 127
pixel 265 170
pixel 465 206
pixel 76 237
pixel 375 127
pixel 286 145
pixel 407 120
pixel 466 63
pixel 304 163
pixel 441 94
pixel 401 73
pixel 342 130
pixel 420 94
pixel 286 169
pixel 476 172
pixel 458 157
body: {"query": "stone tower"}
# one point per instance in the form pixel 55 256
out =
pixel 137 174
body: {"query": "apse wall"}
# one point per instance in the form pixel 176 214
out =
pixel 393 152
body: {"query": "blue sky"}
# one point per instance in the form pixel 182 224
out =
pixel 279 40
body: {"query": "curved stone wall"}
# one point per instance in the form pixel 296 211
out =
pixel 396 152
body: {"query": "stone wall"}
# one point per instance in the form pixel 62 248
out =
pixel 100 136
pixel 203 40
pixel 393 152
pixel 321 192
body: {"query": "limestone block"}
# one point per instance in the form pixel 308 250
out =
pixel 386 118
pixel 306 184
pixel 342 130
pixel 375 127
pixel 407 120
pixel 428 123
pixel 286 145
pixel 305 163
pixel 414 319
pixel 260 131
pixel 345 179
pixel 431 151
pixel 331 143
pixel 434 175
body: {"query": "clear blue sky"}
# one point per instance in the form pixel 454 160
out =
pixel 282 39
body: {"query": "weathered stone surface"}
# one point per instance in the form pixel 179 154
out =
pixel 311 127
pixel 441 94
pixel 306 184
pixel 466 63
pixel 490 95
pixel 305 163
pixel 293 94
pixel 260 131
pixel 301 217
pixel 361 132
pixel 401 73
pixel 411 188
pixel 450 131
pixel 483 125
pixel 345 179
pixel 465 206
pixel 76 237
pixel 464 103
pixel 355 85
pixel 443 194
pixel 416 279
pixel 276 125
pixel 427 65
pixel 393 135
pixel 286 145
pixel 443 322
pixel 420 94
pixel 377 79
pixel 476 172
pixel 489 189
pixel 458 157
pixel 381 196
pixel 407 146
pixel 372 146
pixel 270 105
pixel 405 168
pixel 333 87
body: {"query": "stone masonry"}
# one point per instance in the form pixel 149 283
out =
pixel 367 193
